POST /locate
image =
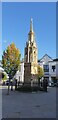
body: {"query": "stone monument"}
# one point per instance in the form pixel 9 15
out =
pixel 30 57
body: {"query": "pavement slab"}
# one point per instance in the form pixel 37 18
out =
pixel 29 105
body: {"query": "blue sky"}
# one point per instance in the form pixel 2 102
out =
pixel 16 25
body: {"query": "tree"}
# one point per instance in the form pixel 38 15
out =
pixel 40 72
pixel 11 60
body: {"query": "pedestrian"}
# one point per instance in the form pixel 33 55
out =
pixel 15 84
pixel 39 82
pixel 45 83
pixel 11 85
pixel 31 84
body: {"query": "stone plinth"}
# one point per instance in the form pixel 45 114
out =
pixel 28 76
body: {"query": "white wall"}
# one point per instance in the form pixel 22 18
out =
pixel 20 73
pixel 53 74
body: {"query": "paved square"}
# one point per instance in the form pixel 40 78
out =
pixel 29 105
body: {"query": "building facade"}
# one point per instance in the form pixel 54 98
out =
pixel 53 76
pixel 50 68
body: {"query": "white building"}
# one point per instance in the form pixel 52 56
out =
pixel 53 75
pixel 49 65
pixel 20 73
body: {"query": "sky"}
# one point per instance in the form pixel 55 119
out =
pixel 16 26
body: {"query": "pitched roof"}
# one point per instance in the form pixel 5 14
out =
pixel 44 56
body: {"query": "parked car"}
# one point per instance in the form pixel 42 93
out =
pixel 51 84
pixel 56 84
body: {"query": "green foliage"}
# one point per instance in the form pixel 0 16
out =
pixel 40 72
pixel 11 60
pixel 5 77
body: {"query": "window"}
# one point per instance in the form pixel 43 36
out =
pixel 53 68
pixel 46 68
pixel 34 52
